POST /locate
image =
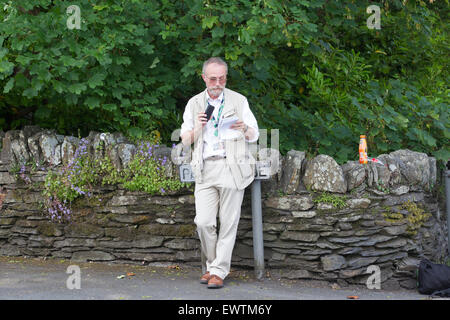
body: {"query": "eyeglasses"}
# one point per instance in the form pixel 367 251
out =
pixel 214 79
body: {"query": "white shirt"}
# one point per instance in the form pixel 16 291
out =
pixel 214 146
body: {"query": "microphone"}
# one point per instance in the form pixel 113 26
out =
pixel 209 111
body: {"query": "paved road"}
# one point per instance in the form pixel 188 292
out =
pixel 30 278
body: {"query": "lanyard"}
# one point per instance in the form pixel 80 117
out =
pixel 216 121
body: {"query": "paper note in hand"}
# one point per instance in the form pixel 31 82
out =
pixel 225 131
pixel 228 122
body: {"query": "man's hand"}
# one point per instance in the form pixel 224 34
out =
pixel 248 132
pixel 201 121
pixel 239 125
pixel 190 136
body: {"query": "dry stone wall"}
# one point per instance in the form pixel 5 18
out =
pixel 321 220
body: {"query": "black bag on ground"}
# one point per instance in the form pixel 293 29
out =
pixel 434 278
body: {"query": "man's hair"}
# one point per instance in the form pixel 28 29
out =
pixel 216 60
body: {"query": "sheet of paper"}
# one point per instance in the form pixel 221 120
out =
pixel 228 122
pixel 225 132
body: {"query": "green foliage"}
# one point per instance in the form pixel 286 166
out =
pixel 336 201
pixel 146 173
pixel 311 69
pixel 77 179
pixel 416 217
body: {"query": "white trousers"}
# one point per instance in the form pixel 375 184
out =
pixel 217 194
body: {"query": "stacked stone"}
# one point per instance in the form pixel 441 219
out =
pixel 303 237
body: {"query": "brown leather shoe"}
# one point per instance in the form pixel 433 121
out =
pixel 204 279
pixel 215 282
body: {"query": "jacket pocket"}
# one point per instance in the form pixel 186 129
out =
pixel 246 167
pixel 229 113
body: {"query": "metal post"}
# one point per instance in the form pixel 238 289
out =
pixel 447 196
pixel 258 244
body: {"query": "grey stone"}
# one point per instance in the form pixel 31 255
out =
pixel 359 262
pixel 304 214
pixel 297 274
pixel 182 244
pixel 9 250
pixel 292 171
pixel 344 226
pixel 155 241
pixel 332 262
pixel 7 178
pixel 272 227
pixel 379 172
pixel 291 202
pixel 347 240
pixel 309 227
pixel 19 147
pixel 354 174
pixel 84 256
pixel 396 243
pixel 346 274
pixel 324 174
pixel 68 149
pixel 51 148
pixel 362 203
pixel 126 152
pixel 414 166
pixel 350 250
pixel 374 240
pixel 325 206
pixel 165 221
pixel 400 190
pixel 123 200
pixel 75 242
pixel 377 253
pixel 35 149
pixel 300 236
pixel 399 200
pixel 433 172
pixel 396 230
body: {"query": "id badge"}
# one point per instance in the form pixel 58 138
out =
pixel 218 146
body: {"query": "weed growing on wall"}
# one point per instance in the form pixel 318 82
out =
pixel 78 178
pixel 335 201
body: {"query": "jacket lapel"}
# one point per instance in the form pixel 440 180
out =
pixel 228 106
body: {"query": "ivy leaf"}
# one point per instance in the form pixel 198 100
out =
pixel 96 80
pixel 208 22
pixel 9 85
pixel 92 102
pixel 77 88
pixel 154 63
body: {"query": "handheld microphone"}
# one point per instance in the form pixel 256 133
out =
pixel 209 111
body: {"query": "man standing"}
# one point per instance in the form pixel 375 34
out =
pixel 221 164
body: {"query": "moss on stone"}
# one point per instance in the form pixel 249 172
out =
pixel 185 230
pixel 338 202
pixel 84 230
pixel 416 217
pixel 48 229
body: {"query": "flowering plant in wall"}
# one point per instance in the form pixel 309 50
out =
pixel 63 187
pixel 144 172
pixel 147 173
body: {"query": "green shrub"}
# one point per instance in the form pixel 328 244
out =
pixel 311 69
